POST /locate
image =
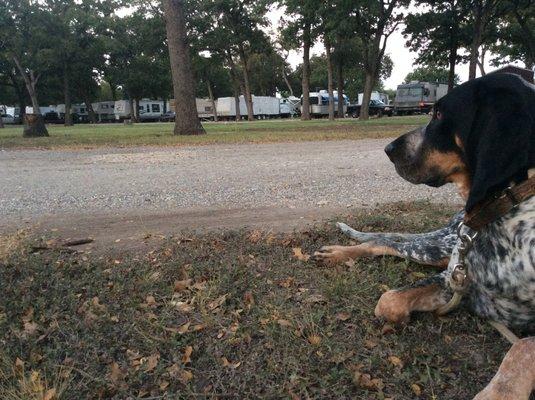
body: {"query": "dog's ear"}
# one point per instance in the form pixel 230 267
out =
pixel 499 143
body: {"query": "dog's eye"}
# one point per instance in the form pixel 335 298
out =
pixel 438 115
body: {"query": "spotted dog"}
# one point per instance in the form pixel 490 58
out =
pixel 482 139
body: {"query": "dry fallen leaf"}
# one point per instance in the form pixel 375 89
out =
pixel 182 285
pixel 298 253
pixel 217 302
pixel 387 329
pixel 286 283
pixel 151 301
pixel 50 394
pixel 255 236
pixel 184 328
pixel 367 382
pixel 396 361
pixel 248 299
pixel 152 362
pixel 343 316
pixel 315 298
pixel 227 363
pixel 284 322
pixel 30 328
pixel 370 344
pixel 314 340
pixel 163 385
pixel 416 389
pixel 116 374
pixel 186 358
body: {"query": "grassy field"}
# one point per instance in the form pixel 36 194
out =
pixel 160 134
pixel 232 315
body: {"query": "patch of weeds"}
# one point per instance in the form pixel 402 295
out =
pixel 238 315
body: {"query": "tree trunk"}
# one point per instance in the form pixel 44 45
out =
pixel 248 95
pixel 212 100
pixel 34 125
pixel 1 120
pixel 236 84
pixel 67 99
pixel 340 82
pixel 136 110
pixel 452 60
pixel 481 62
pixel 90 111
pixel 476 40
pixel 330 85
pixel 20 96
pixel 368 87
pixel 131 104
pixel 187 120
pixel 285 77
pixel 305 83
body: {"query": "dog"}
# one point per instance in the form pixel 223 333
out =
pixel 481 138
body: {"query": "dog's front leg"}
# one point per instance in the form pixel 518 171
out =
pixel 428 295
pixel 515 380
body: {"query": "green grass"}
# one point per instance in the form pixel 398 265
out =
pixel 259 323
pixel 160 134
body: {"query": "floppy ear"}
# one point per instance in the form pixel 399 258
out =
pixel 497 147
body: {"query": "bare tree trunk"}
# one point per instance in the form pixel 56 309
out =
pixel 34 124
pixel 90 111
pixel 248 95
pixel 236 84
pixel 340 81
pixel 452 60
pixel 131 104
pixel 476 40
pixel 212 100
pixel 305 83
pixel 366 96
pixel 136 110
pixel 481 61
pixel 285 77
pixel 330 85
pixel 1 120
pixel 67 98
pixel 187 120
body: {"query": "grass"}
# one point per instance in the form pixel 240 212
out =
pixel 160 134
pixel 232 315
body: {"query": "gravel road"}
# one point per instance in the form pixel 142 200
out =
pixel 292 176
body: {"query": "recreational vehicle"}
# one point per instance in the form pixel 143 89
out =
pixel 104 111
pixel 418 97
pixel 205 109
pixel 319 103
pixel 383 97
pixel 148 110
pixel 78 111
pixel 263 107
pixel 289 106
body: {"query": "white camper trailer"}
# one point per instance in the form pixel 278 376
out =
pixel 148 110
pixel 289 106
pixel 104 111
pixel 42 110
pixel 319 103
pixel 79 112
pixel 205 110
pixel 375 96
pixel 263 107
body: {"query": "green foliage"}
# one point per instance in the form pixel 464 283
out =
pixel 430 74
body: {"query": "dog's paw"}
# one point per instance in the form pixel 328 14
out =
pixel 331 255
pixel 393 307
pixel 493 393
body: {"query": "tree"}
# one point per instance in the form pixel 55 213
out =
pixel 483 13
pixel 375 21
pixel 516 34
pixel 25 40
pixel 301 31
pixel 187 120
pixel 437 34
pixel 431 74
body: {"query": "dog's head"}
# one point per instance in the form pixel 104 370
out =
pixel 481 137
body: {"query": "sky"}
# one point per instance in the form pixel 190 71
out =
pixel 402 57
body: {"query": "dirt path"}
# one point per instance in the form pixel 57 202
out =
pixel 114 193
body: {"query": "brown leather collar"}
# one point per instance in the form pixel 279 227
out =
pixel 499 205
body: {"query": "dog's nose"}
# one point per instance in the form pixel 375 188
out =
pixel 389 149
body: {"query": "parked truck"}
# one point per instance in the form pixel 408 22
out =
pixel 418 97
pixel 263 107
